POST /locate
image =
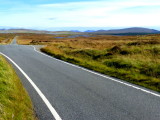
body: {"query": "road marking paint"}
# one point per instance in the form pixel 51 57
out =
pixel 118 81
pixel 48 104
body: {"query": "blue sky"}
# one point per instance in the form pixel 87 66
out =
pixel 49 14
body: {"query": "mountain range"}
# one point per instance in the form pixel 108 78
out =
pixel 126 31
pixel 133 30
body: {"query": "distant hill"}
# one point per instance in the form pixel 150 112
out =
pixel 126 31
pixel 37 31
pixel 134 30
pixel 20 31
pixel 74 31
pixel 90 31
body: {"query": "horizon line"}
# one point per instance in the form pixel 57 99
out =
pixel 71 28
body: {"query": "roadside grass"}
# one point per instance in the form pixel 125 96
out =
pixel 35 39
pixel 135 59
pixel 15 103
pixel 6 38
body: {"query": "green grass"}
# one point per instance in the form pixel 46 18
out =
pixel 15 103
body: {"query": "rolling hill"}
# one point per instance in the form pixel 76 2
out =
pixel 126 31
pixel 37 31
pixel 134 30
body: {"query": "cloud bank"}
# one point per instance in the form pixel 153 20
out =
pixel 100 13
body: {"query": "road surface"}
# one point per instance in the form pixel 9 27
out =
pixel 77 94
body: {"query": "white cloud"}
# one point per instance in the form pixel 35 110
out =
pixel 100 13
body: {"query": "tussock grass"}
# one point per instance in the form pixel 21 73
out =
pixel 15 103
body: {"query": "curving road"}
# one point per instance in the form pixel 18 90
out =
pixel 78 94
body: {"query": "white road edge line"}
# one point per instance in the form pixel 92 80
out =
pixel 48 104
pixel 124 83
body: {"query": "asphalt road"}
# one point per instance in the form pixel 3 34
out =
pixel 14 41
pixel 77 94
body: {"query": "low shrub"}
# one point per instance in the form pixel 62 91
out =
pixel 118 63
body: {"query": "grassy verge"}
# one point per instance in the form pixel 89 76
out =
pixel 6 38
pixel 15 103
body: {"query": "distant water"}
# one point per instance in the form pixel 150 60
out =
pixel 59 37
pixel 73 36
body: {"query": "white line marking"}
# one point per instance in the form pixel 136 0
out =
pixel 48 104
pixel 124 83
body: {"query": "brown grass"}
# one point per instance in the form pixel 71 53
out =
pixel 6 38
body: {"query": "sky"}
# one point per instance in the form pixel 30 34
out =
pixel 79 14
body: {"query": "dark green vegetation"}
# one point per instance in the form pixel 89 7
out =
pixel 135 59
pixel 15 103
